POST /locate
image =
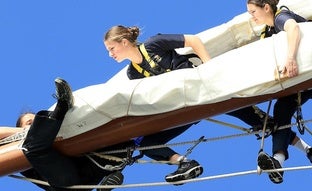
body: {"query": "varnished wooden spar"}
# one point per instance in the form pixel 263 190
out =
pixel 120 130
pixel 123 128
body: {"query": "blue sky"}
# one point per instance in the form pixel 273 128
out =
pixel 41 40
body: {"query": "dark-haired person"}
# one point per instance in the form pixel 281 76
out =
pixel 276 20
pixel 48 164
pixel 90 173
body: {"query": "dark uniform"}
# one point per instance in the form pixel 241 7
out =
pixel 161 50
pixel 285 107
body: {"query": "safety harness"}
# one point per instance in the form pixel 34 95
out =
pixel 299 118
pixel 151 62
pixel 267 29
pixel 122 162
pixel 155 69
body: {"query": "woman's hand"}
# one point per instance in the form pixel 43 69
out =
pixel 291 68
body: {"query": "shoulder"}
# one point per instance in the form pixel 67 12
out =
pixel 285 14
pixel 164 42
pixel 280 19
pixel 166 37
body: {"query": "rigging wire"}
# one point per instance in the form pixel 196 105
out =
pixel 185 181
pixel 204 140
pixel 227 175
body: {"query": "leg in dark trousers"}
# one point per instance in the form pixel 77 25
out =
pixel 57 169
pixel 162 137
pixel 251 115
pixel 284 109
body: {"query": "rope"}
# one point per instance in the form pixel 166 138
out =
pixel 15 137
pixel 302 123
pixel 177 144
pixel 117 159
pixel 228 175
pixel 264 125
pixel 229 125
pixel 277 71
pixel 107 167
pixel 204 140
pixel 106 153
pixel 178 182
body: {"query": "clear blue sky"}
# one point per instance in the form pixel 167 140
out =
pixel 41 40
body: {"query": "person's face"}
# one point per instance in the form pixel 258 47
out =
pixel 117 50
pixel 260 15
pixel 27 120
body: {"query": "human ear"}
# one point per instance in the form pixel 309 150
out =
pixel 267 7
pixel 124 42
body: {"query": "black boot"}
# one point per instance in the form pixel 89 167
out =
pixel 65 99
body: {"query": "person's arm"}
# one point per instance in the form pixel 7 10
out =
pixel 7 131
pixel 198 47
pixel 292 30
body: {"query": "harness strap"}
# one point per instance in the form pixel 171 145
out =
pixel 262 35
pixel 140 69
pixel 299 117
pixel 130 160
pixel 149 60
pixel 123 162
pixel 146 56
pixel 108 167
pixel 189 151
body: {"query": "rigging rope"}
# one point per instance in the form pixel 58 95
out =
pixel 106 153
pixel 15 137
pixel 264 125
pixel 185 181
pixel 204 140
pixel 241 173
